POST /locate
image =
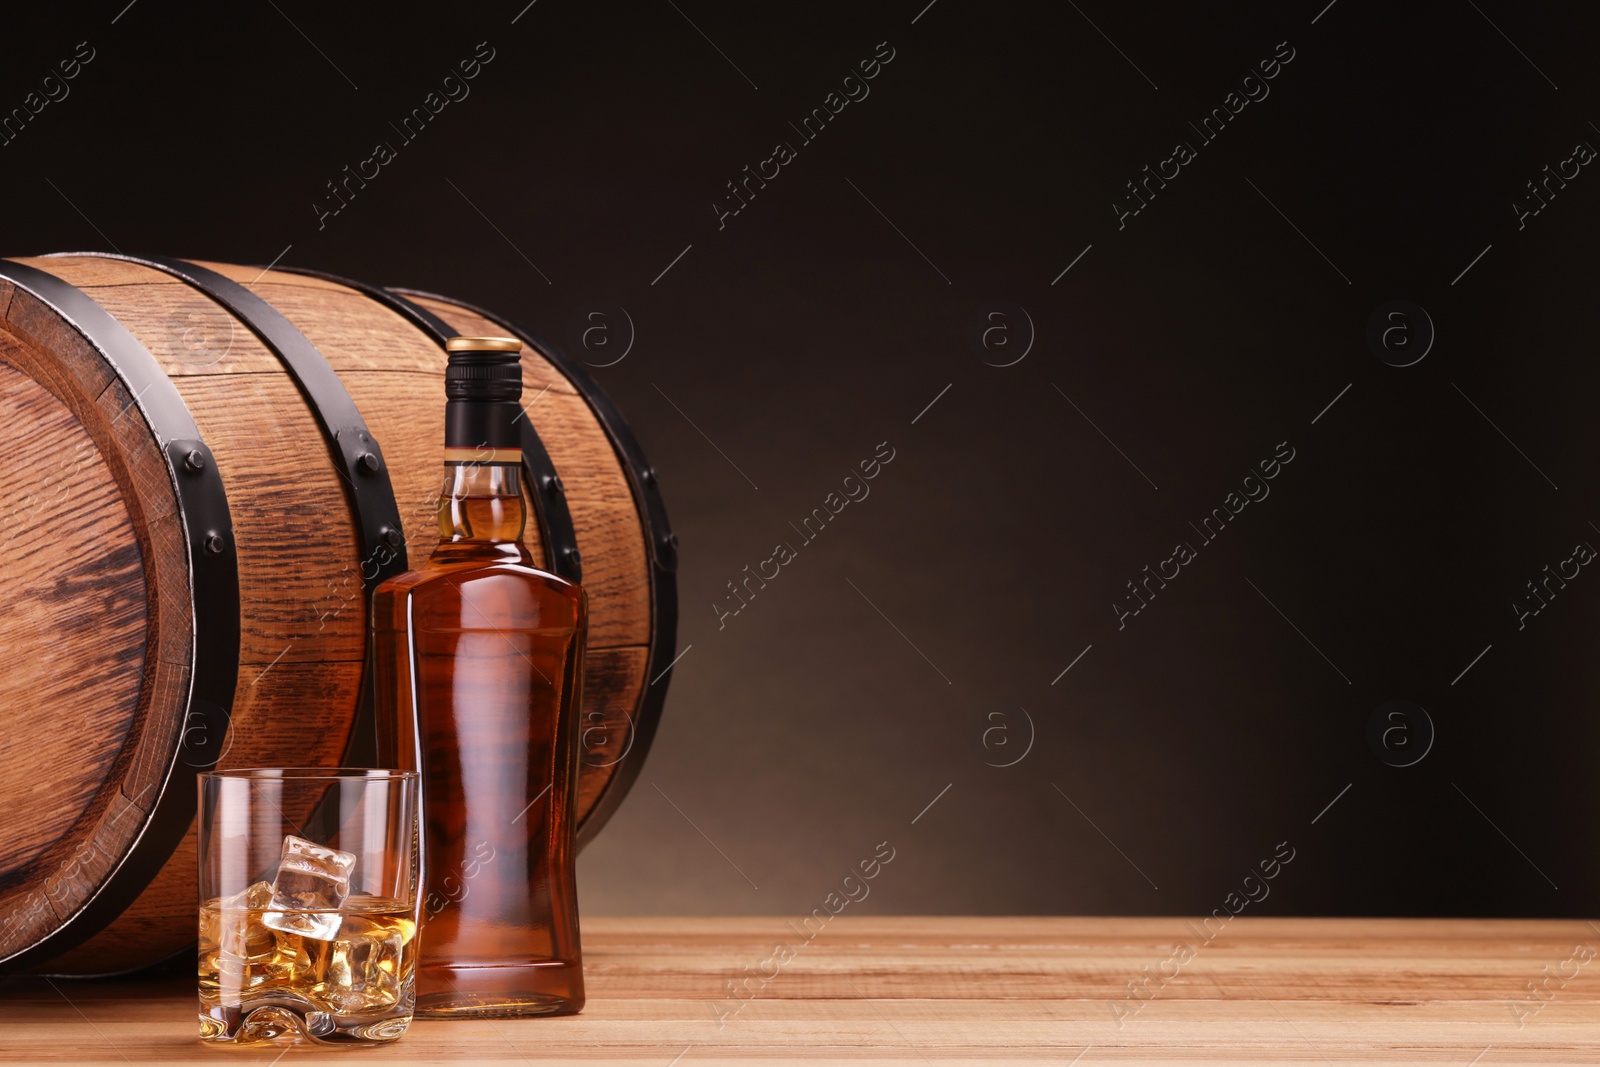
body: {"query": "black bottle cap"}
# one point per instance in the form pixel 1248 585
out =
pixel 483 387
pixel 484 368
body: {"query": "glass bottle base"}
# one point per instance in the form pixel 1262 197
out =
pixel 503 990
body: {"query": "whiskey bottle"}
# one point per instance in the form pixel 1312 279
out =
pixel 478 660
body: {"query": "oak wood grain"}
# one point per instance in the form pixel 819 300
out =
pixel 931 990
pixel 125 719
pixel 70 675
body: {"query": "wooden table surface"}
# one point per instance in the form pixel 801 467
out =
pixel 959 990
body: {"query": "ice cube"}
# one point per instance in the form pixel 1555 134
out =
pixel 233 938
pixel 304 959
pixel 367 965
pixel 312 882
pixel 225 924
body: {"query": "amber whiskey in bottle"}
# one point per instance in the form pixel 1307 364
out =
pixel 478 660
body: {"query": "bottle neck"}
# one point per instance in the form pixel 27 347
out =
pixel 481 503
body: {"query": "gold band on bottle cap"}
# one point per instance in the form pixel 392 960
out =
pixel 483 344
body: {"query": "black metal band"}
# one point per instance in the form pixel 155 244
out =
pixel 663 559
pixel 356 454
pixel 553 516
pixel 214 583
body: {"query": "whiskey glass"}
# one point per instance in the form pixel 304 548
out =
pixel 308 905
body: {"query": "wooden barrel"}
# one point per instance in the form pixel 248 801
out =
pixel 206 468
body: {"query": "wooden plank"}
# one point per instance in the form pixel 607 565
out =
pixel 926 990
pixel 76 633
pixel 353 332
pixel 85 271
pixel 299 581
pixel 251 277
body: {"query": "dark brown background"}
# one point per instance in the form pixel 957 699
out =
pixel 1175 753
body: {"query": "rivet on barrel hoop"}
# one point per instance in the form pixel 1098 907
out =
pixel 214 544
pixel 370 464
